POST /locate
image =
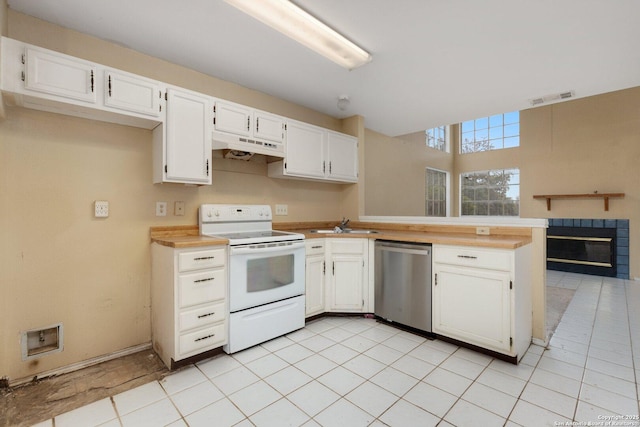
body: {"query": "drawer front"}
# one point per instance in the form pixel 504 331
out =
pixel 201 287
pixel 314 246
pixel 201 340
pixel 198 260
pixel 493 259
pixel 198 317
pixel 348 246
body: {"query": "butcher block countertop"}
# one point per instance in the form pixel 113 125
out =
pixel 499 237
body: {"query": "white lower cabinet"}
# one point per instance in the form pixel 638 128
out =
pixel 188 301
pixel 338 276
pixel 482 296
pixel 314 276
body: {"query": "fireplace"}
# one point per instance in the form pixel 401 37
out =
pixel 589 246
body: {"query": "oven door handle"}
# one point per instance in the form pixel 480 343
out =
pixel 265 248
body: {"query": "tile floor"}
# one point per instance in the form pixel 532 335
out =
pixel 351 372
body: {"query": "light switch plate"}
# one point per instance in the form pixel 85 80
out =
pixel 161 208
pixel 101 209
pixel 282 209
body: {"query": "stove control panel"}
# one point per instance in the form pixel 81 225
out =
pixel 234 213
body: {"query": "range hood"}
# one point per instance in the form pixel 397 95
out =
pixel 225 141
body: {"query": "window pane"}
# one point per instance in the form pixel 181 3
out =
pixel 493 192
pixel 435 193
pixel 490 133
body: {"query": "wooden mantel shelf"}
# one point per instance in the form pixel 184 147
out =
pixel 604 196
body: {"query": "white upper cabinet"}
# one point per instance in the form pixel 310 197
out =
pixel 60 75
pixel 46 80
pixel 182 147
pixel 342 152
pixel 232 118
pixel 305 151
pixel 133 93
pixel 313 152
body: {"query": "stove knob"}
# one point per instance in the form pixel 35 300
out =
pixel 209 214
pixel 217 213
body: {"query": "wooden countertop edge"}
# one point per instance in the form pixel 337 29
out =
pixel 187 236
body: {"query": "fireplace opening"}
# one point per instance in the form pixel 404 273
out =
pixel 584 250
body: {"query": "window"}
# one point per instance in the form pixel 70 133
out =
pixel 494 192
pixel 437 138
pixel 436 193
pixel 490 133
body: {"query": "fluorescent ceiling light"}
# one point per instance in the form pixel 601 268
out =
pixel 294 22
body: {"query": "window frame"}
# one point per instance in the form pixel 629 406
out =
pixel 461 192
pixel 447 193
pixel 447 138
pixel 504 129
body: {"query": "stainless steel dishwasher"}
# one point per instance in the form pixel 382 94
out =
pixel 403 283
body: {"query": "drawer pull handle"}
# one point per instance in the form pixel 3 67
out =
pixel 204 280
pixel 206 315
pixel 316 247
pixel 204 338
pixel 202 258
pixel 467 257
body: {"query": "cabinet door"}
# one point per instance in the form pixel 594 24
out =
pixel 232 118
pixel 473 305
pixel 347 282
pixel 61 75
pixel 188 139
pixel 314 284
pixel 342 153
pixel 132 93
pixel 304 149
pixel 268 127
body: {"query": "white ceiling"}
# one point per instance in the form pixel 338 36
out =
pixel 435 62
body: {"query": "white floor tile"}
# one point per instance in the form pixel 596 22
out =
pixel 490 399
pixel 549 399
pixel 234 380
pixel 519 371
pixel 138 397
pixel 223 412
pixel 613 384
pixel 476 357
pixel 608 400
pixel 186 378
pixel 288 380
pixel 609 368
pixel 317 343
pixel 394 381
pixel 252 353
pixel 294 353
pixel 378 334
pixel 586 413
pixel 465 414
pixel 93 414
pixel 561 368
pixel 341 380
pixel 277 344
pixel 401 343
pixel 410 365
pixel 448 381
pixel 501 381
pixel 337 334
pixel 313 398
pixel 364 366
pixel 372 398
pixel 403 414
pixel 280 414
pixel 344 413
pixel 555 382
pixel 266 365
pixel 359 343
pixel 339 353
pixel 529 415
pixel 462 367
pixel 315 365
pixel 197 397
pixel 255 397
pixel 431 399
pixel 429 354
pixel 159 413
pixel 218 365
pixel 567 356
pixel 383 354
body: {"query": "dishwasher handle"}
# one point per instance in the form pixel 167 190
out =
pixel 413 248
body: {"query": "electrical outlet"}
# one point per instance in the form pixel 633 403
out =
pixel 483 231
pixel 178 208
pixel 161 208
pixel 101 209
pixel 282 210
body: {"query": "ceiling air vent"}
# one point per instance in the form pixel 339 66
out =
pixel 550 98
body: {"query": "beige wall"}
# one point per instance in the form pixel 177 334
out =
pixel 580 146
pixel 60 264
pixel 395 173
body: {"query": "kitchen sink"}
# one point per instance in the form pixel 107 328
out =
pixel 347 231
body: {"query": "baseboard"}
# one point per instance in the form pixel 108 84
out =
pixel 80 365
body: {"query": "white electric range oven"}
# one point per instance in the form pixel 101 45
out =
pixel 266 273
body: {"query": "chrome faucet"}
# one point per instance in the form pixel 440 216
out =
pixel 343 224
